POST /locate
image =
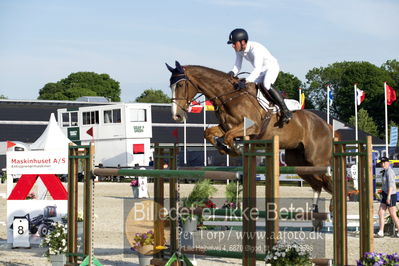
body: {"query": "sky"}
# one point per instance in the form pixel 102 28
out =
pixel 44 41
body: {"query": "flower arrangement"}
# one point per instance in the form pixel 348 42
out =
pixel 209 204
pixel 80 217
pixel 284 253
pixel 31 196
pixel 143 239
pixel 353 195
pixel 134 183
pixel 56 240
pixel 198 197
pixel 374 258
pixel 229 205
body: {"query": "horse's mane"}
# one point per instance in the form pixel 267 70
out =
pixel 211 70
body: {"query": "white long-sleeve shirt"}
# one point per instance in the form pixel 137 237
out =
pixel 260 58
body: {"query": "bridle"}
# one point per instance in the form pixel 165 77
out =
pixel 179 77
pixel 175 79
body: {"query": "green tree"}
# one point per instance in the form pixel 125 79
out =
pixel 364 122
pixel 153 96
pixel 289 85
pixel 392 66
pixel 342 76
pixel 3 97
pixel 317 81
pixel 81 84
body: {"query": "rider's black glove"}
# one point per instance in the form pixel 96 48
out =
pixel 240 85
pixel 231 74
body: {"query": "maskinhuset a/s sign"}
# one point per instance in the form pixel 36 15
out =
pixel 37 162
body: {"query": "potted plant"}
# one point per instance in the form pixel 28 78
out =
pixel 233 190
pixel 284 253
pixel 198 197
pixel 56 241
pixel 374 258
pixel 31 196
pixel 79 219
pixel 144 244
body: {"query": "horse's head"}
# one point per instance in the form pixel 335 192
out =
pixel 183 92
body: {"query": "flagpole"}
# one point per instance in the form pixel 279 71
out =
pixel 245 130
pixel 356 132
pixel 355 179
pixel 386 119
pixel 328 104
pixel 185 142
pixel 205 154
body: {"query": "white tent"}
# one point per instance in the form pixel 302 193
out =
pixel 52 139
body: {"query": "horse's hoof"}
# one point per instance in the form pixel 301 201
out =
pixel 222 146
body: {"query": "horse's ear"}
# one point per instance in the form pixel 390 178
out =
pixel 179 67
pixel 169 67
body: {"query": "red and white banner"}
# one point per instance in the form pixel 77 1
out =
pixel 37 162
pixel 195 107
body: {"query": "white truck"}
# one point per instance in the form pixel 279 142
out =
pixel 121 132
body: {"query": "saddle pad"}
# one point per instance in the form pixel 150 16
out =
pixel 292 105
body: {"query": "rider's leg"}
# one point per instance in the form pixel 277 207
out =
pixel 279 100
pixel 270 77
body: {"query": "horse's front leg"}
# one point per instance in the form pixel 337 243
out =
pixel 237 132
pixel 215 136
pixel 212 133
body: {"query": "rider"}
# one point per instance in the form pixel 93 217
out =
pixel 266 67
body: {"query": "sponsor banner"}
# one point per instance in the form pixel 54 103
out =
pixel 37 162
pixel 40 215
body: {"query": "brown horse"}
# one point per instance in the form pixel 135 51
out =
pixel 307 139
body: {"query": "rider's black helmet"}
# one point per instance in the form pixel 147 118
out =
pixel 237 35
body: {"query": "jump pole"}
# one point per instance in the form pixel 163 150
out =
pixel 340 151
pixel 270 149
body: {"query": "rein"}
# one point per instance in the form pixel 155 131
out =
pixel 223 98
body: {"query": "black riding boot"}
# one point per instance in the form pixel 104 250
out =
pixel 278 99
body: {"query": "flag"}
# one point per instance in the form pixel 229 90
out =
pixel 248 122
pixel 175 133
pixel 209 106
pixel 360 95
pixel 195 107
pixel 393 137
pixel 302 100
pixel 330 95
pixel 90 131
pixel 10 144
pixel 391 94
